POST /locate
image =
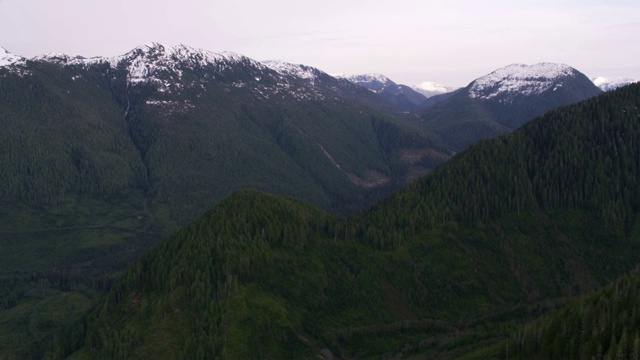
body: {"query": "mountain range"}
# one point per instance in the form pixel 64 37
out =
pixel 104 157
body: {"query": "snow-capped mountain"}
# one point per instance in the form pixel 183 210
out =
pixel 521 80
pixel 160 64
pixel 429 88
pixel 608 84
pixel 504 100
pixel 400 96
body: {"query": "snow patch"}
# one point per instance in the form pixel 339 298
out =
pixel 8 59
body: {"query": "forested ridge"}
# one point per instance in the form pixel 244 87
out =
pixel 447 267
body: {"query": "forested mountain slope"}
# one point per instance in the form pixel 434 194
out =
pixel 508 229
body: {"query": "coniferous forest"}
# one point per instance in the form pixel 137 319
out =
pixel 316 242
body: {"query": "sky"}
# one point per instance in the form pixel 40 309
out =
pixel 410 41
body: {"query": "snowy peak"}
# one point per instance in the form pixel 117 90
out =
pixel 171 54
pixel 519 79
pixel 608 84
pixel 429 88
pixel 7 58
pixel 152 61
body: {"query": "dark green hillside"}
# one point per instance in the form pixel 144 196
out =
pixel 61 136
pixel 461 121
pixel 72 197
pixel 506 231
pixel 257 276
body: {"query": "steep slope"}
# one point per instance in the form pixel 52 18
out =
pixel 101 158
pixel 401 97
pixel 506 230
pixel 504 100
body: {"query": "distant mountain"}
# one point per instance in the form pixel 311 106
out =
pixel 505 231
pixel 400 96
pixel 503 101
pixel 429 89
pixel 608 84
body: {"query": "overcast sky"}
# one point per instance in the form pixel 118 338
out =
pixel 410 41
